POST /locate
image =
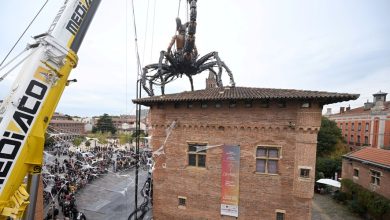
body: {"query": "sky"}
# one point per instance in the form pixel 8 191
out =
pixel 322 45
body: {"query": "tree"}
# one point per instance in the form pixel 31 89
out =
pixel 49 141
pixel 104 124
pixel 125 138
pixel 77 141
pixel 330 148
pixel 328 137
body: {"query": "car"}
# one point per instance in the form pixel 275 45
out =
pixel 88 155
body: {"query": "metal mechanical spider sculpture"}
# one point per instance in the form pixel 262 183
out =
pixel 184 60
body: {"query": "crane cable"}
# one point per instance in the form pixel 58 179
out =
pixel 23 33
pixel 154 15
pixel 139 68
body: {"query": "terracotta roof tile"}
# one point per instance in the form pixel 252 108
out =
pixel 247 93
pixel 361 110
pixel 371 154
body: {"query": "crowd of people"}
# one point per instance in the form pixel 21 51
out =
pixel 69 172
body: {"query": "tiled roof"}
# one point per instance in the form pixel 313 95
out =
pixel 247 93
pixel 370 154
pixel 360 110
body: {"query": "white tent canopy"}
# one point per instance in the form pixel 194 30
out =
pixel 330 182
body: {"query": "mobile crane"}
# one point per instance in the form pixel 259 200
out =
pixel 26 112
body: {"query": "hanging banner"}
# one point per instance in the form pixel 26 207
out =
pixel 230 180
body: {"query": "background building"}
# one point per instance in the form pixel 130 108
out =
pixel 370 168
pixel 273 133
pixel 368 125
pixel 65 127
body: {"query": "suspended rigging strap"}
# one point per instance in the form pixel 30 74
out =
pixel 17 64
pixel 23 33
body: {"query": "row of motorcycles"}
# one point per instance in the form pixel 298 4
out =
pixel 69 210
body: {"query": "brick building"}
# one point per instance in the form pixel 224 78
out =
pixel 370 168
pixel 368 125
pixel 65 127
pixel 274 132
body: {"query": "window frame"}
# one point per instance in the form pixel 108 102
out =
pixel 191 143
pixel 367 127
pixel 355 171
pixel 304 169
pixel 375 177
pixel 279 148
pixel 179 201
pixel 280 212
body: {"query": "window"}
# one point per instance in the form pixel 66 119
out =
pixel 218 105
pixel 264 104
pixel 346 126
pixel 160 105
pixel 203 105
pixel 232 104
pixel 182 201
pixel 282 104
pixel 341 126
pixel 366 129
pixel 358 139
pixel 248 104
pixel 355 172
pixel 351 139
pixel 177 105
pixel 365 139
pixel 196 158
pixel 279 216
pixel 305 173
pixel 375 177
pixel 190 105
pixel 267 159
pixel 359 126
pixel 305 105
pixel 352 126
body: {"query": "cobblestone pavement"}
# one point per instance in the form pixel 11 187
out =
pixel 325 208
pixel 111 197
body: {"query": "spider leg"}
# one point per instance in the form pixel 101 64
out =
pixel 229 72
pixel 219 64
pixel 191 81
pixel 205 58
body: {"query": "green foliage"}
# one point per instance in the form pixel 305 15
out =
pixel 365 201
pixel 49 141
pixel 340 196
pixel 77 141
pixel 87 143
pixel 125 138
pixel 104 125
pixel 327 166
pixel 328 137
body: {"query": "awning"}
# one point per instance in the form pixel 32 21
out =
pixel 330 182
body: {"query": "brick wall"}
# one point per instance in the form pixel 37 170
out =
pixel 294 129
pixel 364 178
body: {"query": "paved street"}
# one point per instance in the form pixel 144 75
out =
pixel 326 208
pixel 111 197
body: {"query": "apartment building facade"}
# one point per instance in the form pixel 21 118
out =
pixel 368 125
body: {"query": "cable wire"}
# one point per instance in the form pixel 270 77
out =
pixel 23 33
pixel 146 33
pixel 16 65
pixel 154 15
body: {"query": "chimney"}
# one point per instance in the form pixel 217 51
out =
pixel 368 105
pixel 348 108
pixel 341 110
